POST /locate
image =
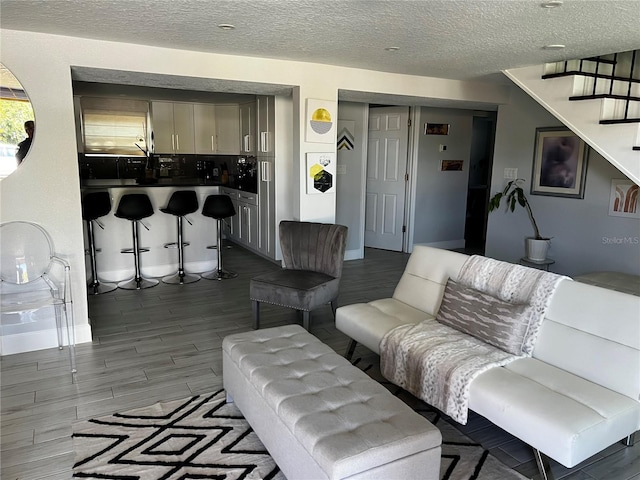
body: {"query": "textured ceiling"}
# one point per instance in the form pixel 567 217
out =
pixel 455 39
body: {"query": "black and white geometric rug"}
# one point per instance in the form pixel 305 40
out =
pixel 195 438
pixel 203 437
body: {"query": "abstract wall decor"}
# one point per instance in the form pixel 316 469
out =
pixel 321 173
pixel 321 119
pixel 623 201
pixel 346 138
pixel 559 163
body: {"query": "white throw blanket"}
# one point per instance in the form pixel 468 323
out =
pixel 437 363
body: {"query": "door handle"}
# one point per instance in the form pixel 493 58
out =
pixel 265 171
pixel 177 142
pixel 173 142
pixel 264 142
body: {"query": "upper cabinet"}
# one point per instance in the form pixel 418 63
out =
pixel 173 127
pixel 217 129
pixel 210 129
pixel 265 124
pixel 248 128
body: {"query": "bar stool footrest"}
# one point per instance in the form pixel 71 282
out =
pixel 130 250
pixel 175 244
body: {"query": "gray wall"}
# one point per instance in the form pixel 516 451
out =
pixel 584 237
pixel 351 178
pixel 440 201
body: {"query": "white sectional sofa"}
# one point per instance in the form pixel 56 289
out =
pixel 580 391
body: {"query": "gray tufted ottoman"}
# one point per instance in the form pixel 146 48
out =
pixel 319 416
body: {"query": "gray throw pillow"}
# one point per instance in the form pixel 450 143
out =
pixel 487 318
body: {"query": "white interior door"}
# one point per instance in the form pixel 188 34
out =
pixel 386 174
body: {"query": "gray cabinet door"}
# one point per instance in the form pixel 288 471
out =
pixel 267 213
pixel 266 121
pixel 248 128
pixel 162 122
pixel 227 129
pixel 205 128
pixel 183 127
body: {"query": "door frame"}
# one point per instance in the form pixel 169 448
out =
pixel 412 170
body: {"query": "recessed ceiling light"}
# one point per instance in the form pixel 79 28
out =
pixel 226 26
pixel 551 4
pixel 554 47
pixel 392 49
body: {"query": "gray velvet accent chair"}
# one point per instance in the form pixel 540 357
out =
pixel 313 254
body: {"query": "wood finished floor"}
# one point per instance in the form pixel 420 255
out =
pixel 164 343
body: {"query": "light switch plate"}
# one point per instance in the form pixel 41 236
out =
pixel 341 169
pixel 443 148
pixel 510 173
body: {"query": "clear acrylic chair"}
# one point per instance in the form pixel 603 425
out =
pixel 32 278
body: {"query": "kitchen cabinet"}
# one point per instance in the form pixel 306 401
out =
pixel 233 223
pixel 244 224
pixel 266 207
pixel 217 129
pixel 248 219
pixel 248 128
pixel 265 113
pixel 173 127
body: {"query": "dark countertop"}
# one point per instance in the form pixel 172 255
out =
pixel 161 182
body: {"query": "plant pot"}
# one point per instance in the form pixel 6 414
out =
pixel 536 250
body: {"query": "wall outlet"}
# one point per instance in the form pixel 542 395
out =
pixel 510 173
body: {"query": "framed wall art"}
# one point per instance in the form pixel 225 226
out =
pixel 623 201
pixel 436 129
pixel 321 119
pixel 559 163
pixel 451 165
pixel 321 173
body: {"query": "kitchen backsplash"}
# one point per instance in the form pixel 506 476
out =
pixel 237 171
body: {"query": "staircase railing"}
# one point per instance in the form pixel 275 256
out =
pixel 614 78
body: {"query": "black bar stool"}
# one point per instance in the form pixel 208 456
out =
pixel 135 207
pixel 180 204
pixel 94 206
pixel 218 207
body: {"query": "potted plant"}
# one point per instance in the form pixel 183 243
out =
pixel 536 247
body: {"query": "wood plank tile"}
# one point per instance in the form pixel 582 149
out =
pixel 165 343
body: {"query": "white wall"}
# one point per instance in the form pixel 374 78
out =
pixel 351 184
pixel 441 197
pixel 584 235
pixel 46 188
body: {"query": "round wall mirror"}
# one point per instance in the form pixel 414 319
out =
pixel 17 127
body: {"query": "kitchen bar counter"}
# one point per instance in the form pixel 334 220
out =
pixel 161 182
pixel 158 261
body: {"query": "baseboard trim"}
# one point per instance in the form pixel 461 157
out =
pixel 39 340
pixel 446 245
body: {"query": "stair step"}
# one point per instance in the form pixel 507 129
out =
pixel 590 74
pixel 604 95
pixel 615 121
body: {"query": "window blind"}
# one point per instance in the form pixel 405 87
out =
pixel 114 126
